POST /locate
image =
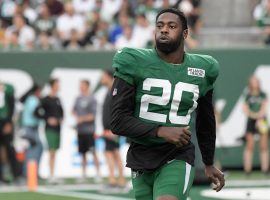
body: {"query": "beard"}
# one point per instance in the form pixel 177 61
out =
pixel 170 46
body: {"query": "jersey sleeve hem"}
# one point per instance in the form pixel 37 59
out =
pixel 124 77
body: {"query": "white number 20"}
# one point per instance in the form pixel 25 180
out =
pixel 164 99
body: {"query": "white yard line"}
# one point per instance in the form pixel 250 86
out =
pixel 238 183
pixel 10 189
pixel 82 195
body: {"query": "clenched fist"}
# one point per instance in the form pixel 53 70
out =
pixel 180 136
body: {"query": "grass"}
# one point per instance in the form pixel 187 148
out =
pixel 88 193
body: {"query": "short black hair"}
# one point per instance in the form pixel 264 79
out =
pixel 177 12
pixel 87 82
pixel 53 81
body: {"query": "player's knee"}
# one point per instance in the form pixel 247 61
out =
pixel 167 197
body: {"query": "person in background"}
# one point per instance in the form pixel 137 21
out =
pixel 51 110
pixel 7 104
pixel 68 23
pixel 255 107
pixel 30 124
pixel 85 114
pixel 111 141
pixel 26 34
pixel 261 15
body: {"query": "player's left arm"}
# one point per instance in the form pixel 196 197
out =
pixel 206 126
pixel 8 127
pixel 206 135
pixel 11 106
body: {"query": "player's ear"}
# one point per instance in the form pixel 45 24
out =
pixel 185 34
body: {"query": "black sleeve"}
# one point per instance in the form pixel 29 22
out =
pixel 11 107
pixel 122 107
pixel 206 128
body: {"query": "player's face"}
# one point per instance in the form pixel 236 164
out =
pixel 169 34
pixel 84 87
pixel 254 83
pixel 55 86
pixel 105 79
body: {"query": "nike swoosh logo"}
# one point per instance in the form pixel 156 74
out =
pixel 119 51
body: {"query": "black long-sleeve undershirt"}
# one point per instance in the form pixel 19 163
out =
pixel 125 124
pixel 206 128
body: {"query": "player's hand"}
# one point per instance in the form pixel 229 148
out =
pixel 52 121
pixel 215 176
pixel 179 136
pixel 7 129
pixel 109 135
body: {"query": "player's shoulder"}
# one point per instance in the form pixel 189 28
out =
pixel 133 53
pixel 207 62
pixel 204 59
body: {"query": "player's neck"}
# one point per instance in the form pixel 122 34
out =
pixel 53 94
pixel 176 57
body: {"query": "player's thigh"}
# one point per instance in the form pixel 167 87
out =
pixel 173 181
pixel 142 185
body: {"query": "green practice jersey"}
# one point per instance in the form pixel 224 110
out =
pixel 6 91
pixel 166 94
pixel 254 102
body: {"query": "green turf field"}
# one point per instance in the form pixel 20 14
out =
pixel 239 187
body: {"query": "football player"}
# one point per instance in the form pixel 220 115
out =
pixel 154 94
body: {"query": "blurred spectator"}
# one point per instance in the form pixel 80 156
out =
pixel 77 23
pixel 74 43
pixel 7 11
pixel 117 29
pixel 26 34
pixel 109 8
pixel 84 6
pixel 30 124
pixel 147 8
pixel 255 107
pixel 56 7
pixel 2 35
pixel 262 16
pixel 12 43
pixel 44 22
pixel 143 32
pixel 51 110
pixel 85 113
pixel 126 10
pixel 125 40
pixel 112 153
pixel 92 27
pixel 101 41
pixel 162 4
pixel 23 8
pixel 45 42
pixel 7 105
pixel 69 22
pixel 191 9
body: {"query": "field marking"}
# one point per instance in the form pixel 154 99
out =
pixel 81 195
pixel 239 194
pixel 237 183
pixel 10 189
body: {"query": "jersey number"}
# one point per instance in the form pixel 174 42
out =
pixel 164 99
